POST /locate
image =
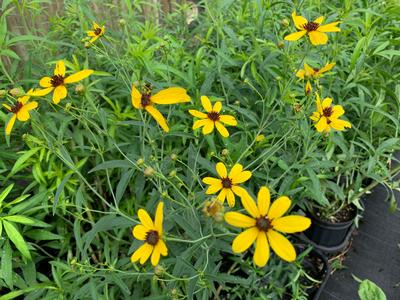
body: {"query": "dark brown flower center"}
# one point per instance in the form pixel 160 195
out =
pixel 327 112
pixel 145 100
pixel 316 70
pixel 213 116
pixel 311 26
pixel 263 223
pixel 16 107
pixel 97 31
pixel 57 80
pixel 152 237
pixel 226 182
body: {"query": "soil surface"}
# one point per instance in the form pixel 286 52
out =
pixel 346 214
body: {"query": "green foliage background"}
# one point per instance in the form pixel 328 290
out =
pixel 70 179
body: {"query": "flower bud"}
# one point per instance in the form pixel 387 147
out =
pixel 149 171
pixel 260 138
pixel 214 209
pixel 172 173
pixel 225 152
pixel 3 93
pixel 16 92
pixel 285 22
pixel 140 161
pixel 122 22
pixel 80 88
pixel 174 156
pixel 281 44
pixel 87 45
pixel 159 270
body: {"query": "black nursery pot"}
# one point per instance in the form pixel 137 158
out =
pixel 329 235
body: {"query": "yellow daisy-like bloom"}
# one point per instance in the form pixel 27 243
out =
pixel 146 101
pixel 327 116
pixel 315 30
pixel 20 111
pixel 212 118
pixel 96 32
pixel 263 227
pixel 151 233
pixel 313 73
pixel 228 184
pixel 58 82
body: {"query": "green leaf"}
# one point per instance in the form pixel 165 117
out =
pixel 43 235
pixel 17 239
pixel 112 164
pixel 6 264
pixel 60 188
pixel 370 291
pixel 26 221
pixel 5 193
pixel 19 164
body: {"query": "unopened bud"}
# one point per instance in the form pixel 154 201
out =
pixel 172 173
pixel 80 88
pixel 285 22
pixel 3 93
pixel 174 156
pixel 281 44
pixel 16 92
pixel 140 161
pixel 122 22
pixel 225 152
pixel 149 171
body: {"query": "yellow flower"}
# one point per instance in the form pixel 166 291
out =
pixel 260 138
pixel 146 101
pixel 228 184
pixel 96 32
pixel 315 30
pixel 264 225
pixel 58 81
pixel 308 88
pixel 20 111
pixel 213 118
pixel 151 234
pixel 327 116
pixel 313 73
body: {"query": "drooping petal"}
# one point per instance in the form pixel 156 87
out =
pixel 295 36
pixel 340 124
pixel 146 254
pixel 155 256
pixel 242 177
pixel 136 97
pixel 299 21
pixel 206 103
pixel 230 197
pixel 217 106
pixel 261 253
pixel 163 247
pixel 41 92
pixel 327 68
pixel 141 251
pixel 155 113
pixel 171 95
pixel 200 123
pixel 318 38
pixel 239 220
pixel 23 114
pixel 158 218
pixel 228 120
pixel 208 127
pixel 331 27
pixel 145 219
pixel 319 20
pixel 60 92
pixel 197 114
pixel 281 246
pixel 244 240
pixel 263 200
pixel 10 124
pixel 31 105
pixel 337 111
pixel 326 103
pixel 322 124
pixel 221 170
pixel 249 205
pixel 315 116
pixel 139 232
pixel 93 39
pixel 235 171
pixel 291 224
pixel 60 68
pixel 212 189
pixel 78 76
pixel 279 207
pixel 45 82
pixel 221 129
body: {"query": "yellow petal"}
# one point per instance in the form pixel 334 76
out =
pixel 23 114
pixel 244 240
pixel 319 20
pixel 309 71
pixel 337 111
pixel 221 170
pixel 318 103
pixel 162 247
pixel 300 73
pixel 141 251
pixel 222 195
pixel 291 224
pixel 60 68
pixel 8 107
pixel 340 124
pixel 136 98
pixel 212 189
pixel 10 124
pixel 146 254
pixel 279 207
pixel 95 25
pixel 230 197
pixel 261 253
pixel 158 218
pixel 60 92
pixel 327 68
pixel 241 192
pixel 331 27
pixel 197 114
pixel 221 129
pixel 24 99
pixel 308 88
pixel 206 103
pixel 239 220
pixel 78 76
pixel 281 246
pixel 200 123
pixel 41 92
pixel 242 177
pixel 208 127
pixel 295 36
pixel 228 120
pixel 145 219
pixel 155 113
pixel 93 39
pixel 318 38
pixel 235 171
pixel 299 21
pixel 263 200
pixel 139 232
pixel 211 180
pixel 315 116
pixel 90 33
pixel 250 206
pixel 326 102
pixel 217 106
pixel 31 105
pixel 155 257
pixel 171 96
pixel 322 124
pixel 45 82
